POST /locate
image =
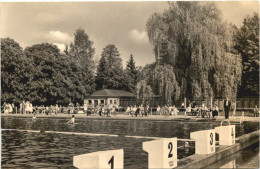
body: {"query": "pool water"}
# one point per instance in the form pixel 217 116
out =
pixel 44 150
pixel 238 159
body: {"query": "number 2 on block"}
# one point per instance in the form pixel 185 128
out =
pixel 170 148
pixel 111 161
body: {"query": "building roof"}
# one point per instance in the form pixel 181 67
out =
pixel 111 93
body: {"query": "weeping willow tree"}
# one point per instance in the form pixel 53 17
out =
pixel 167 86
pixel 161 79
pixel 192 39
pixel 143 92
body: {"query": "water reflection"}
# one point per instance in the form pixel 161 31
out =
pixel 238 159
pixel 231 164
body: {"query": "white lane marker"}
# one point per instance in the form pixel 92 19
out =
pixel 59 132
pixel 144 137
pixel 185 139
pixel 30 131
pixel 179 139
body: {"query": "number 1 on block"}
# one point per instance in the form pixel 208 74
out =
pixel 111 161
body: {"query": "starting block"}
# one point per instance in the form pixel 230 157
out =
pixel 227 134
pixel 162 153
pixel 110 159
pixel 204 141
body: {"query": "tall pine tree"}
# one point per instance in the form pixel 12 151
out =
pixel 82 51
pixel 110 73
pixel 101 74
pixel 131 74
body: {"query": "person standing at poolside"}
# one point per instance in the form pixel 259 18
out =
pixel 30 107
pixel 158 110
pixel 23 107
pixel 71 108
pixel 127 110
pixel 227 106
pixel 108 110
pixel 135 110
pixel 132 111
pixel 10 108
pixel 146 110
pixel 13 108
pixel 56 109
pixel 6 108
pixel 189 109
pixel 27 107
pixel 170 110
pixel 215 111
pixel 141 110
pixel 113 110
pixel 165 109
pixel 234 106
pixel 203 110
pixel 85 108
pixel 256 111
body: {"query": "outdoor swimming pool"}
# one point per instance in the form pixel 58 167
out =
pixel 43 150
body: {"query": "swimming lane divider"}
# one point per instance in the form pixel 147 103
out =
pixel 85 134
pixel 145 137
pixel 30 131
pixel 60 132
pixel 179 139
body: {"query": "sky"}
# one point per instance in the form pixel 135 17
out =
pixel 120 23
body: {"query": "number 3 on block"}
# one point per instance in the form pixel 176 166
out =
pixel 211 138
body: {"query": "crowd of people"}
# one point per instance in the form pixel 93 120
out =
pixel 28 108
pixel 9 108
pixel 137 110
pixel 101 110
pixel 194 110
pixel 107 110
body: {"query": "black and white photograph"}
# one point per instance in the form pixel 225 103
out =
pixel 129 84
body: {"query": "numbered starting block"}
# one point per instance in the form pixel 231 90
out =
pixel 162 153
pixel 111 159
pixel 204 141
pixel 227 135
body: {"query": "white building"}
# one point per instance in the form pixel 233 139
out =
pixel 110 97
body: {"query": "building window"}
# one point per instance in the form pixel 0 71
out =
pixel 102 101
pixel 89 101
pixel 111 101
pixel 114 101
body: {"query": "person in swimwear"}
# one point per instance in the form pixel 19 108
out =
pixel 34 118
pixel 72 120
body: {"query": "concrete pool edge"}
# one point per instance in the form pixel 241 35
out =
pixel 200 161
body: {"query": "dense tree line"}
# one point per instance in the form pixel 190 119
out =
pixel 43 75
pixel 197 55
pixel 247 44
